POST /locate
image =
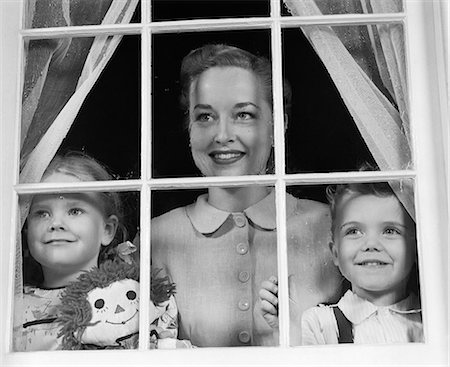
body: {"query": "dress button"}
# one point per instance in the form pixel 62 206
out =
pixel 239 219
pixel 242 248
pixel 244 276
pixel 243 305
pixel 244 336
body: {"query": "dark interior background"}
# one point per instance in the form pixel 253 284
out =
pixel 321 135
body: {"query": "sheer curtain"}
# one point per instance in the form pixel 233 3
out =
pixel 59 74
pixel 367 65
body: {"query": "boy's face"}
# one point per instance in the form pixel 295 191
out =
pixel 374 246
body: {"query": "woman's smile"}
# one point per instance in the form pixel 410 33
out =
pixel 226 157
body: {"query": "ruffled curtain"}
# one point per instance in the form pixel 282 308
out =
pixel 367 65
pixel 59 74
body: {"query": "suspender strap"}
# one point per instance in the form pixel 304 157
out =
pixel 344 326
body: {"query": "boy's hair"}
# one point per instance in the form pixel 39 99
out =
pixel 84 168
pixel 335 194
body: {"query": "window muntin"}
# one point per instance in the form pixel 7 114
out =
pixel 306 352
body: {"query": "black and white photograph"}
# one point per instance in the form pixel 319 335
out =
pixel 224 182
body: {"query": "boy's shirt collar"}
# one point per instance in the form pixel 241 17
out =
pixel 207 219
pixel 357 309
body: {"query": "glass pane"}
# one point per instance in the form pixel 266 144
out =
pixel 218 256
pixel 59 13
pixel 364 261
pixel 69 104
pixel 350 95
pixel 77 266
pixel 172 155
pixel 200 9
pixel 330 7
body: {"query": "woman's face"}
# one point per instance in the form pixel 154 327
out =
pixel 231 130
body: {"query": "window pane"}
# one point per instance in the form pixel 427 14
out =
pixel 58 13
pixel 64 236
pixel 217 257
pixel 329 7
pixel 171 153
pixel 349 97
pixel 200 9
pixel 372 240
pixel 69 104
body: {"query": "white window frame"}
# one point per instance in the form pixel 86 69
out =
pixel 426 70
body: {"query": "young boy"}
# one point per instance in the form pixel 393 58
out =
pixel 374 246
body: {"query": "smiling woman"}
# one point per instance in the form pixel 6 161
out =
pixel 229 234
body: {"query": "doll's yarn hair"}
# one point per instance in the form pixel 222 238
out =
pixel 75 311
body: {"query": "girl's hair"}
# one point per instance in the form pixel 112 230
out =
pixel 84 168
pixel 221 55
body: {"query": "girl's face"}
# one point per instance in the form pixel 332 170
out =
pixel 231 129
pixel 374 246
pixel 65 231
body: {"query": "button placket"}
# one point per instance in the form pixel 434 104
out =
pixel 243 275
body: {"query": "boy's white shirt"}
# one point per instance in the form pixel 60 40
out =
pixel 397 323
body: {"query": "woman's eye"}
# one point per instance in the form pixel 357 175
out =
pixel 76 211
pixel 204 117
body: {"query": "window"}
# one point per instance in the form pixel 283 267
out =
pixel 150 177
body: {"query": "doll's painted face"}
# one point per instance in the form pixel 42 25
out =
pixel 115 313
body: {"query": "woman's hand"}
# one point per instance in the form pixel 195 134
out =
pixel 269 301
